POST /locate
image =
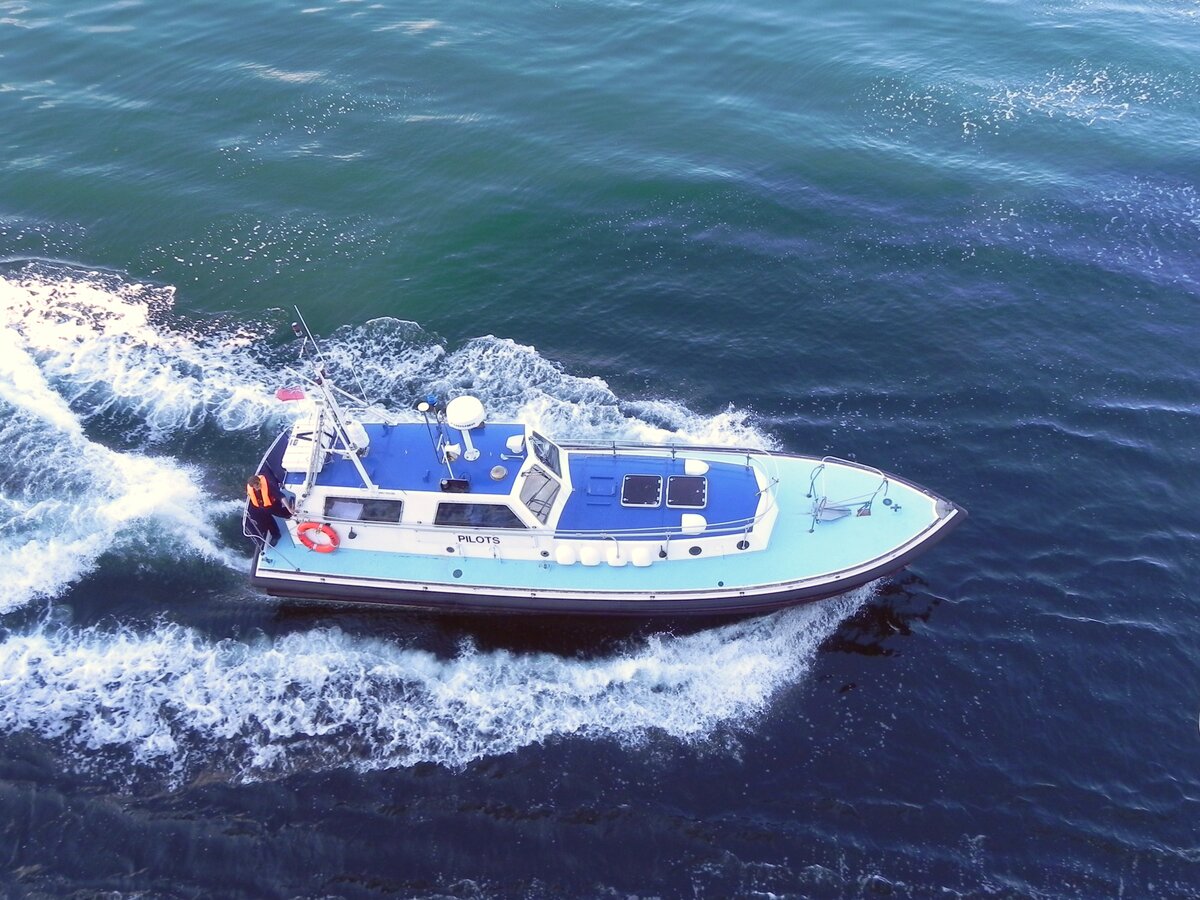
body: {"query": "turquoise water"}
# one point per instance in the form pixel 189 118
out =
pixel 955 241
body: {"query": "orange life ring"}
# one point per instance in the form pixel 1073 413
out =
pixel 305 530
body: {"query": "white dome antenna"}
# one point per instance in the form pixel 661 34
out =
pixel 464 414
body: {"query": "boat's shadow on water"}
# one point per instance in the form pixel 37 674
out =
pixel 878 626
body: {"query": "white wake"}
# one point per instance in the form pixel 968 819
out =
pixel 180 703
pixel 82 354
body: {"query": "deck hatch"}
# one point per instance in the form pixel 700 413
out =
pixel 687 491
pixel 641 490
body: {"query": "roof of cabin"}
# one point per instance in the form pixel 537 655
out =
pixel 731 494
pixel 401 457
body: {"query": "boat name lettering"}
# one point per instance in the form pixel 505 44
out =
pixel 478 539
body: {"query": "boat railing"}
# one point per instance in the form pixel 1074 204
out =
pixel 653 532
pixel 765 459
pixel 853 464
pixel 826 509
pixel 672 449
pixel 664 532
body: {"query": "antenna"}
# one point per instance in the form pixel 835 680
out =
pixel 443 451
pixel 423 408
pixel 302 331
pixel 299 332
pixel 350 448
pixel 297 328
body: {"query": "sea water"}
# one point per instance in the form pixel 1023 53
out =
pixel 957 242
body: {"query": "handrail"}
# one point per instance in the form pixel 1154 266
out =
pixel 821 501
pixel 852 463
pixel 732 525
pixel 670 447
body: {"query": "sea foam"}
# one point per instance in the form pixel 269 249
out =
pixel 185 706
pixel 66 499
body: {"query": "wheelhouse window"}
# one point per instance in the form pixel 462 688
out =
pixel 546 451
pixel 361 509
pixel 539 492
pixel 477 515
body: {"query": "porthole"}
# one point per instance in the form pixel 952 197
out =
pixel 458 573
pixel 743 545
pixel 695 551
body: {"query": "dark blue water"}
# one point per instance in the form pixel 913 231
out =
pixel 955 241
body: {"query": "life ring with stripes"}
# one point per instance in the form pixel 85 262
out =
pixel 318 536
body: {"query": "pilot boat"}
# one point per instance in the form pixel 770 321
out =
pixel 448 511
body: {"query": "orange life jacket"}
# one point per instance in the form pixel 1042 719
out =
pixel 260 494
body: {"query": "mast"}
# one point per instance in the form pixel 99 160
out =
pixel 351 449
pixel 329 405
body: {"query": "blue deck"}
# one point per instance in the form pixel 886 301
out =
pixel 595 503
pixel 402 457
